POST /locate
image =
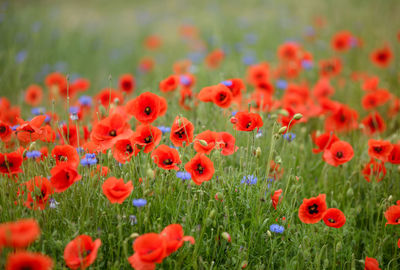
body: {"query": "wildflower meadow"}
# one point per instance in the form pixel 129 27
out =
pixel 199 134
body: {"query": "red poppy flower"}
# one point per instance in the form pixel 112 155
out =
pixel 169 84
pixel 149 248
pixel 374 169
pixel 331 67
pixel 201 168
pixel 398 243
pixel 258 73
pixel 146 64
pixel 343 119
pixel 146 107
pixel 127 83
pixel 57 83
pixel 339 153
pixel 341 41
pixel 109 130
pixel 10 163
pixel 181 131
pixel 69 134
pixel 65 154
pixel 39 190
pixel 152 42
pixel 48 134
pixel 373 123
pixel 312 210
pixel 63 176
pixel 19 234
pixel 29 131
pixel 205 142
pixel 166 157
pixel 246 121
pixel 289 51
pixel 236 86
pixel 81 252
pixel 334 218
pixel 394 156
pixel 175 237
pixel 222 96
pixel 275 197
pixel 375 99
pixel 5 132
pixel 214 58
pixel 382 57
pixel 371 264
pixel 379 149
pixel 392 215
pixel 147 137
pixel 370 83
pixel 323 141
pixel 28 260
pixel 80 85
pixel 33 95
pixel 323 88
pixel 116 190
pixel 124 149
pixel 226 142
pixel 108 96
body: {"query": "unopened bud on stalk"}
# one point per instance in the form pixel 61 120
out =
pixel 203 142
pixel 350 193
pixel 297 116
pixel 226 236
pixel 32 146
pixel 282 130
pixel 243 265
pixel 390 198
pixel 233 120
pixel 150 173
pixel 134 235
pixel 212 214
pixel 257 153
pixel 116 101
pixel 269 233
pixel 102 110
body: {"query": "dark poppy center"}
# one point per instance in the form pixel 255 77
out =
pixel 129 149
pixel 378 149
pixel 248 124
pixel 200 169
pixel 67 175
pixel 112 133
pixel 147 139
pixel 342 118
pixel 382 57
pixel 147 110
pixel 331 220
pixel 127 85
pixel 26 267
pixel 329 68
pixel 2 129
pixel 167 161
pixel 313 209
pixel 398 220
pixel 339 154
pixel 180 133
pixel 222 96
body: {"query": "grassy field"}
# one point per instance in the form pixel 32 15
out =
pixel 229 220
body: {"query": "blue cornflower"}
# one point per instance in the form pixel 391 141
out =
pixel 37 110
pixel 251 38
pixel 227 83
pixel 33 154
pixel 289 136
pixel 249 59
pixel 259 134
pixel 183 175
pixel 139 202
pixel 14 128
pixel 47 119
pixel 307 64
pixel 133 219
pixel 21 56
pixel 249 179
pixel 89 160
pixel 281 84
pixel 185 80
pixel 53 203
pixel 74 110
pixel 276 228
pixel 85 100
pixel 233 113
pixel 164 129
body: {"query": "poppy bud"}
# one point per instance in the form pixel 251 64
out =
pixel 243 265
pixel 257 153
pixel 283 112
pixel 32 146
pixel 297 116
pixel 150 173
pixel 326 263
pixel 134 235
pixel 219 196
pixel 350 192
pixel 390 198
pixel 338 246
pixel 233 120
pixel 116 101
pixel 282 130
pixel 203 142
pixel 269 233
pixel 226 236
pixel 212 213
pixel 102 110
